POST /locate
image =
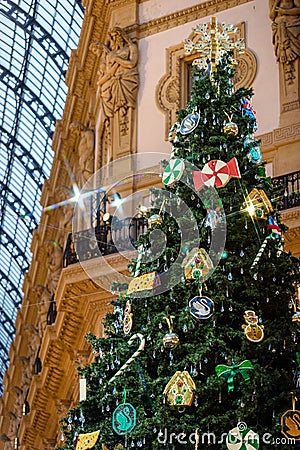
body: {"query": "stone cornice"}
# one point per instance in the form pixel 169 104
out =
pixel 186 15
pixel 280 136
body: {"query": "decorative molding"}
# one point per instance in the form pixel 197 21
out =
pixel 280 136
pixel 186 15
pixel 171 91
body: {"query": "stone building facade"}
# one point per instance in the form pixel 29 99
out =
pixel 126 80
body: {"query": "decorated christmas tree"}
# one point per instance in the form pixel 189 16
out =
pixel 201 349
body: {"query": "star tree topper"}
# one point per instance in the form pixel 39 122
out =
pixel 213 43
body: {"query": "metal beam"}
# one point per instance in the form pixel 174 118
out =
pixel 8 240
pixel 19 201
pixel 25 154
pixel 12 288
pixel 18 87
pixel 32 27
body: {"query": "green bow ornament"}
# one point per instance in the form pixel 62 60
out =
pixel 229 372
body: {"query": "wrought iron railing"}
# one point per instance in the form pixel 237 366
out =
pixel 104 239
pixel 110 239
pixel 290 185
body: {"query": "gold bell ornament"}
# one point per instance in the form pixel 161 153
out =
pixel 170 340
pixel 230 127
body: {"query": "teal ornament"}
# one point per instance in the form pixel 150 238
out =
pixel 124 418
pixel 189 123
pixel 254 152
pixel 224 254
pixel 201 307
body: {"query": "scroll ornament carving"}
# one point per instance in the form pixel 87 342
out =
pixel 285 15
pixel 170 95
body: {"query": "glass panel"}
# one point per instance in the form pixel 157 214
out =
pixel 33 62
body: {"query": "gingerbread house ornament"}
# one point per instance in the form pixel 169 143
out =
pixel 180 389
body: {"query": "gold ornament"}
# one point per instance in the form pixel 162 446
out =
pixel 290 422
pixel 147 281
pixel 127 322
pixel 180 389
pixel 258 205
pixel 231 128
pixel 197 264
pixel 87 440
pixel 170 340
pixel 253 331
pixel 155 219
pixel 213 43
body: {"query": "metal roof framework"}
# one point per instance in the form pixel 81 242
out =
pixel 36 39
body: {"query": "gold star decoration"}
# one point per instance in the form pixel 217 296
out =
pixel 213 43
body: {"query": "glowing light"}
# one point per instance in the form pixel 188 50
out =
pixel 251 209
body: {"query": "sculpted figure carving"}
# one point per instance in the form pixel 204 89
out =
pixel 285 15
pixel 54 261
pixel 86 151
pixel 26 372
pixel 65 193
pixel 33 343
pixel 43 297
pixel 118 75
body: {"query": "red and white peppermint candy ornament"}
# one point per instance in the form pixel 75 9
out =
pixel 216 173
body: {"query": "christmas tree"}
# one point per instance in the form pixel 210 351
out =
pixel 201 349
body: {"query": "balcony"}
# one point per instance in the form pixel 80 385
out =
pixel 290 184
pixel 104 239
pixel 109 240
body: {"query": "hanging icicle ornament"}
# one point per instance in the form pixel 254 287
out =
pixel 213 43
pixel 82 389
pixel 170 340
pixel 290 421
pixel 124 417
pixel 253 331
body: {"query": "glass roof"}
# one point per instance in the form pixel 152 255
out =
pixel 36 39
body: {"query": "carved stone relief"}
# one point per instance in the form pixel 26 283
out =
pixel 43 297
pixel 86 152
pixel 171 92
pixel 33 343
pixel 54 261
pixel 285 16
pixel 66 212
pixel 118 83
